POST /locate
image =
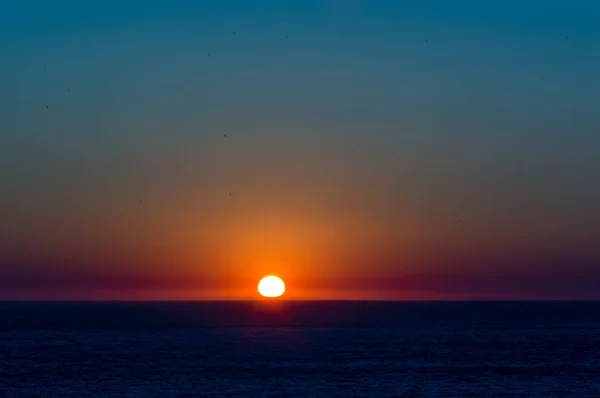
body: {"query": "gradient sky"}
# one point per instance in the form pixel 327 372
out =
pixel 374 149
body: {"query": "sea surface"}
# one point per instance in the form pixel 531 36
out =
pixel 300 349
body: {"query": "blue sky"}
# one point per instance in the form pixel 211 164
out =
pixel 389 119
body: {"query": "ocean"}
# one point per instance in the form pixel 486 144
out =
pixel 300 349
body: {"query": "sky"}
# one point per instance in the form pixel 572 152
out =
pixel 359 149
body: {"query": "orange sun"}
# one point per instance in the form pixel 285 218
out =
pixel 271 286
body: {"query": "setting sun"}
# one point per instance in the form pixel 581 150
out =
pixel 271 286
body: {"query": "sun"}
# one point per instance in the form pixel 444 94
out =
pixel 271 286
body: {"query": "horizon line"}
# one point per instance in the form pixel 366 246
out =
pixel 100 301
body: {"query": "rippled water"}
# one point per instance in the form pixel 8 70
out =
pixel 300 349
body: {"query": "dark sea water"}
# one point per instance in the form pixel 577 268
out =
pixel 300 349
